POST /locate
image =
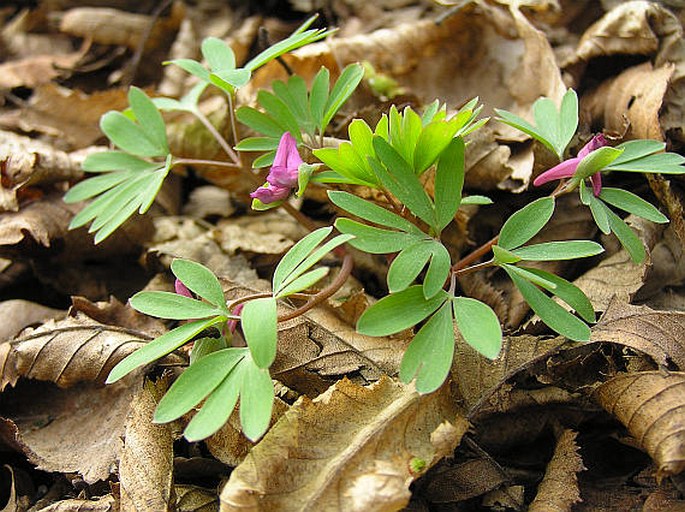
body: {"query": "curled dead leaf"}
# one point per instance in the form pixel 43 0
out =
pixel 658 334
pixel 559 490
pixel 651 406
pixel 146 464
pixel 323 453
pixel 67 352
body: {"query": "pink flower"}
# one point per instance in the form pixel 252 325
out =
pixel 182 289
pixel 283 174
pixel 567 168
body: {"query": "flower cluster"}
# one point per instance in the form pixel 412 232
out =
pixel 567 168
pixel 282 177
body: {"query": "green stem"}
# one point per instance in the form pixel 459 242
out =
pixel 195 161
pixel 219 138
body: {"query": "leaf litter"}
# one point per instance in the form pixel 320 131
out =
pixel 515 434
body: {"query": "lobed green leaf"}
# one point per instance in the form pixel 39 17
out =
pixel 562 250
pixel 200 280
pixel 172 306
pixel 629 202
pixel 256 399
pixel 259 321
pixel 526 223
pixel 374 240
pixel 479 325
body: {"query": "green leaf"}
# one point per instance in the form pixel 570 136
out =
pixel 597 208
pixel 172 306
pixel 280 113
pixel 259 122
pixel 195 383
pixel 400 179
pixel 95 186
pixel 595 162
pixel 303 282
pixel 639 156
pixel 294 41
pixel 149 118
pixel 294 95
pixel 217 408
pixel 117 161
pixel 129 136
pixel 256 399
pixel 318 97
pixel 428 357
pixel 432 141
pixel 297 254
pixel 479 325
pixel 257 144
pixel 160 347
pixel 374 240
pixel 342 90
pixel 398 311
pixel 311 260
pixel 569 293
pixel 218 54
pixel 629 202
pixel 568 118
pixel 200 280
pixel 563 250
pixel 259 320
pixel 407 265
pixel 530 276
pixel 438 270
pixel 230 79
pixel 191 66
pixel 629 240
pixel 503 256
pixel 526 223
pixel 475 199
pixel 554 316
pixel 205 346
pixel 521 124
pixel 371 212
pixel 449 181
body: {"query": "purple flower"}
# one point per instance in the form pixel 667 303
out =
pixel 182 289
pixel 283 174
pixel 567 168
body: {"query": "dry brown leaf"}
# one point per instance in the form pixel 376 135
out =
pixel 349 449
pixel 37 223
pixel 643 28
pixel 229 445
pixel 26 161
pixel 477 378
pixel 559 490
pixel 672 201
pixel 71 116
pixel 116 27
pixel 629 104
pixel 37 69
pixel 190 498
pixel 114 312
pixel 75 430
pixel 146 464
pixel 67 352
pixel 658 334
pixel 659 500
pixel 650 405
pixel 105 504
pixel 208 201
pixel 475 477
pixel 18 314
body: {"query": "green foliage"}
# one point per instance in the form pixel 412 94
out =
pixel 410 144
pixel 290 108
pixel 526 223
pixel 553 128
pixel 221 70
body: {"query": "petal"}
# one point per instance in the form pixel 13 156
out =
pixel 270 193
pixel 595 142
pixel 281 157
pixel 596 180
pixel 182 289
pixel 562 170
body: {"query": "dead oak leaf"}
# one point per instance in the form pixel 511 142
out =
pixel 652 408
pixel 146 464
pixel 349 449
pixel 559 490
pixel 658 334
pixel 67 352
pixel 75 430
